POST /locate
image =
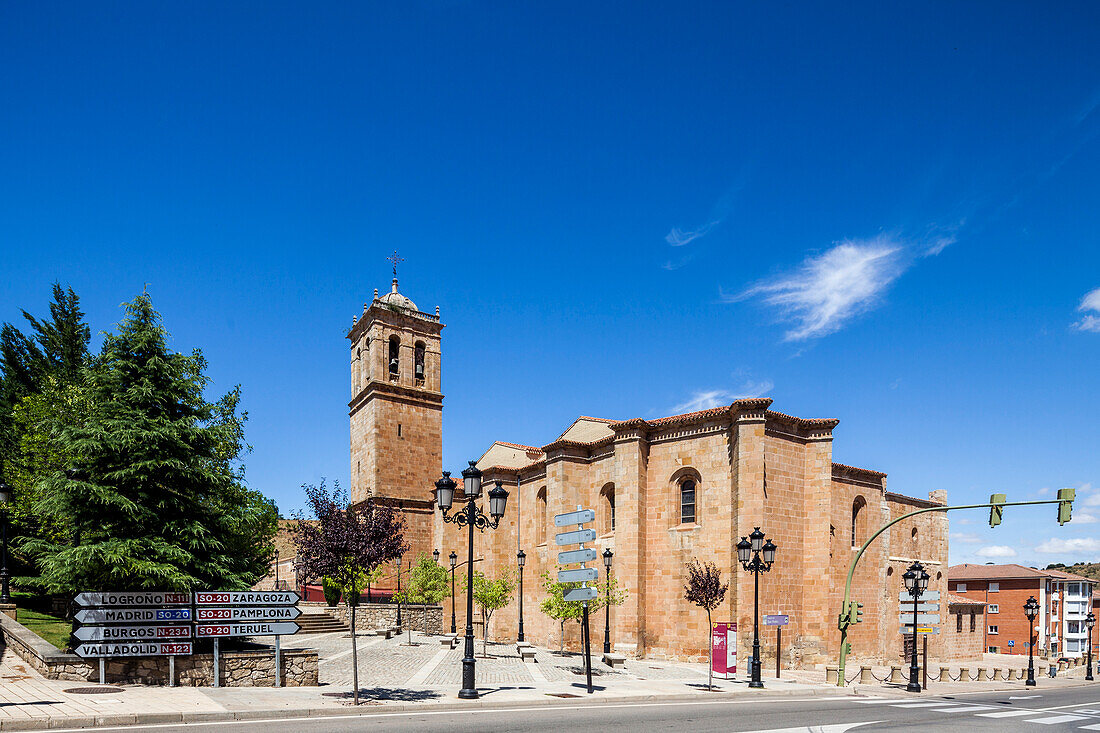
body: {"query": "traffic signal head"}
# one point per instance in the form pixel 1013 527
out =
pixel 846 648
pixel 844 621
pixel 856 613
pixel 995 509
pixel 1065 504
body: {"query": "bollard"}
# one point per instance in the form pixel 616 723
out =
pixel 944 675
pixel 895 674
pixel 830 674
pixel 1061 666
pixel 964 674
pixel 865 677
pixel 983 675
pixel 996 675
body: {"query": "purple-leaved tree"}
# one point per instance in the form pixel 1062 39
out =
pixel 344 542
pixel 705 589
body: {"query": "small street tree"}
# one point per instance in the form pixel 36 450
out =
pixel 556 607
pixel 706 590
pixel 490 596
pixel 428 584
pixel 345 542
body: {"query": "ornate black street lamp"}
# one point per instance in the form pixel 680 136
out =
pixel 276 570
pixel 5 497
pixel 521 559
pixel 756 556
pixel 435 555
pixel 471 517
pixel 916 580
pixel 1090 621
pixel 1031 610
pixel 399 591
pixel 607 555
pixel 454 561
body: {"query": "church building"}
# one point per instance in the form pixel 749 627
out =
pixel 666 492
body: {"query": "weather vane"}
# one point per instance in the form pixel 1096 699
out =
pixel 395 259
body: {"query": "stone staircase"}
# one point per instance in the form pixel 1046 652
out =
pixel 320 623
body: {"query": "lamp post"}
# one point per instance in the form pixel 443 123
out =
pixel 1031 610
pixel 435 555
pixel 916 580
pixel 276 570
pixel 5 497
pixel 521 560
pixel 399 591
pixel 472 516
pixel 756 556
pixel 454 560
pixel 1090 621
pixel 607 555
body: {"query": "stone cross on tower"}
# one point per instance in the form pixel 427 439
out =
pixel 395 259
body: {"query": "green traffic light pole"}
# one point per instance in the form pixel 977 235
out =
pixel 996 502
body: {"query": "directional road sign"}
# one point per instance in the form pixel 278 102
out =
pixel 139 649
pixel 572 556
pixel 131 615
pixel 132 598
pixel 579 575
pixel 132 633
pixel 580 594
pixel 923 619
pixel 928 595
pixel 921 607
pixel 259 628
pixel 775 620
pixel 576 536
pixel 246 598
pixel 238 613
pixel 920 629
pixel 582 516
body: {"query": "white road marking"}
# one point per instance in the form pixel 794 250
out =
pixel 961 708
pixel 1090 727
pixel 834 728
pixel 919 704
pixel 876 701
pixel 1055 719
pixel 1024 697
pixel 1007 714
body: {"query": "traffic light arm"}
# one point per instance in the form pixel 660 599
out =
pixel 845 620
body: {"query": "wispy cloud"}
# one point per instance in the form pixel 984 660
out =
pixel 994 551
pixel 1085 518
pixel 1090 304
pixel 678 237
pixel 706 399
pixel 1076 545
pixel 966 537
pixel 830 289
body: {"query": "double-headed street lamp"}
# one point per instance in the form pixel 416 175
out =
pixel 756 557
pixel 1031 610
pixel 521 560
pixel 471 517
pixel 454 561
pixel 607 555
pixel 1090 621
pixel 5 497
pixel 916 580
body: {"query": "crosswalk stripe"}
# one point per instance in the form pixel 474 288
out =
pixel 874 701
pixel 1054 720
pixel 1006 714
pixel 1091 727
pixel 967 708
pixel 918 704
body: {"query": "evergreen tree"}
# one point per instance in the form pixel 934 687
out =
pixel 155 493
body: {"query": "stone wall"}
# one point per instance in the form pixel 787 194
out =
pixel 384 616
pixel 250 668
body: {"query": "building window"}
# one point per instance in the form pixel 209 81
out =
pixel 958 623
pixel 607 494
pixel 993 650
pixel 993 608
pixel 418 361
pixel 395 364
pixel 1073 627
pixel 540 515
pixel 687 501
pixel 972 625
pixel 857 505
pixel 993 629
pixel 960 588
pixel 994 587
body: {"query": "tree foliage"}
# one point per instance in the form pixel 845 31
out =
pixel 556 607
pixel 156 499
pixel 428 584
pixel 491 596
pixel 706 590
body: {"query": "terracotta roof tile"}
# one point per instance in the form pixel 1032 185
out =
pixel 969 571
pixel 957 600
pixel 855 469
pixel 519 446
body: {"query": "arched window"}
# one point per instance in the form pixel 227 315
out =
pixel 914 539
pixel 418 361
pixel 687 501
pixel 541 515
pixel 857 506
pixel 607 496
pixel 395 363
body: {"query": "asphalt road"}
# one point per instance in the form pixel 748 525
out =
pixel 1067 709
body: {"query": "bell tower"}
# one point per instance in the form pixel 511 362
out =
pixel 396 409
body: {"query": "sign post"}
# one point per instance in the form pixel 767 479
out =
pixel 584 594
pixel 246 613
pixel 778 621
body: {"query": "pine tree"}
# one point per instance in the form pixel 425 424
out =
pixel 155 493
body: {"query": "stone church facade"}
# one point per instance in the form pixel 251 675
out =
pixel 666 492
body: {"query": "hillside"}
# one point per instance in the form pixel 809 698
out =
pixel 1087 569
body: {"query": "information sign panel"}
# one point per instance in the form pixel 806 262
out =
pixel 259 628
pixel 131 615
pixel 923 619
pixel 580 594
pixel 585 554
pixel 237 613
pixel 132 633
pixel 132 598
pixel 928 595
pixel 908 629
pixel 775 619
pixel 139 649
pixel 575 537
pixel 723 657
pixel 583 516
pixel 580 575
pixel 246 598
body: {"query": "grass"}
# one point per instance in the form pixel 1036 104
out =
pixel 51 628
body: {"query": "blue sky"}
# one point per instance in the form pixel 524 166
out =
pixel 886 215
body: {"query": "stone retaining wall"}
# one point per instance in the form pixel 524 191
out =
pixel 238 668
pixel 384 616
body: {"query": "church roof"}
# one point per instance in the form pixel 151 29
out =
pixel 394 298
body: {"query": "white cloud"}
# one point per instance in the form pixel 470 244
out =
pixel 962 520
pixel 1055 546
pixel 830 289
pixel 939 244
pixel 991 551
pixel 1084 519
pixel 967 537
pixel 1091 302
pixel 706 399
pixel 679 237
